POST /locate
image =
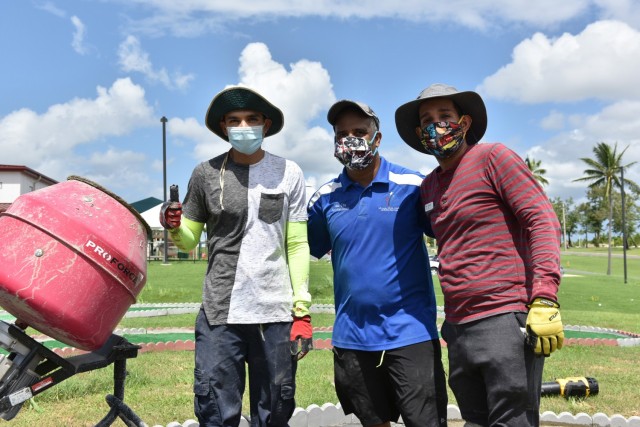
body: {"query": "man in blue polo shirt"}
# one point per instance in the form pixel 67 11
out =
pixel 387 355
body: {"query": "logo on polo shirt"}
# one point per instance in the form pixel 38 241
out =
pixel 339 206
pixel 389 204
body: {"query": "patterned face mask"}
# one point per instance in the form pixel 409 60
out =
pixel 355 153
pixel 443 139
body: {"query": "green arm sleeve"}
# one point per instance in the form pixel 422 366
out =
pixel 298 259
pixel 187 236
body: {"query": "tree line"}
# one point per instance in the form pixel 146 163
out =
pixel 602 215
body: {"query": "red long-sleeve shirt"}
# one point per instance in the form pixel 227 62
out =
pixel 498 235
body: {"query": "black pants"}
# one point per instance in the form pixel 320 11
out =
pixel 493 373
pixel 380 386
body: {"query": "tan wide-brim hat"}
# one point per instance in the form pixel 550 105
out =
pixel 468 102
pixel 241 98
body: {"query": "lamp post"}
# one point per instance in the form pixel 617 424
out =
pixel 624 225
pixel 165 236
pixel 564 228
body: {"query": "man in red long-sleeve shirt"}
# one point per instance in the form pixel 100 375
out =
pixel 499 250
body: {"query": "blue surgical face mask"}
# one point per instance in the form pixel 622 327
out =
pixel 246 140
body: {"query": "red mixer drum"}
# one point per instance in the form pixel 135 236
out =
pixel 72 261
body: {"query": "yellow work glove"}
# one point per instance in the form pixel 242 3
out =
pixel 545 326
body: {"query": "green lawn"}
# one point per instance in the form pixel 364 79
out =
pixel 159 386
pixel 181 281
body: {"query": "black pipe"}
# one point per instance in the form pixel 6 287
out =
pixel 571 387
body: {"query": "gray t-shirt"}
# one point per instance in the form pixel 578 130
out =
pixel 247 279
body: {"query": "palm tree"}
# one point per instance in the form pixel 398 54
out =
pixel 536 170
pixel 603 173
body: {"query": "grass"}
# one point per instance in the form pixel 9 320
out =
pixel 615 369
pixel 589 297
pixel 159 385
pixel 181 281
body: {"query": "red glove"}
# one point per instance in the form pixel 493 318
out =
pixel 301 336
pixel 170 214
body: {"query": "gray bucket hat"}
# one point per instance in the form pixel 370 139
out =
pixel 468 102
pixel 241 98
pixel 340 106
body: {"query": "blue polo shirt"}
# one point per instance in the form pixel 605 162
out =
pixel 383 290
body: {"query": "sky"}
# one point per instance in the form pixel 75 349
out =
pixel 84 84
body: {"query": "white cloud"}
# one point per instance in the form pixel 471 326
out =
pixel 302 92
pixel 48 6
pixel 555 120
pixel 52 142
pixel 78 36
pixel 132 57
pixel 207 145
pixel 601 62
pixel 118 170
pixel 616 123
pixel 197 17
pixel 621 10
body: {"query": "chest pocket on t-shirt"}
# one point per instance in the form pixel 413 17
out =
pixel 270 207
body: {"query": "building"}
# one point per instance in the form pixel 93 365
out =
pixel 16 180
pixel 149 210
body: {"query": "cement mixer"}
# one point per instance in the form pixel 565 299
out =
pixel 72 261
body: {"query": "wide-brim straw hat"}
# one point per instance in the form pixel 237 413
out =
pixel 241 98
pixel 468 102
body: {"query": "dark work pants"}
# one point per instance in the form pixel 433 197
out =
pixel 380 386
pixel 494 374
pixel 221 354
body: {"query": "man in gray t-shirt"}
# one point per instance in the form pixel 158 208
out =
pixel 255 298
